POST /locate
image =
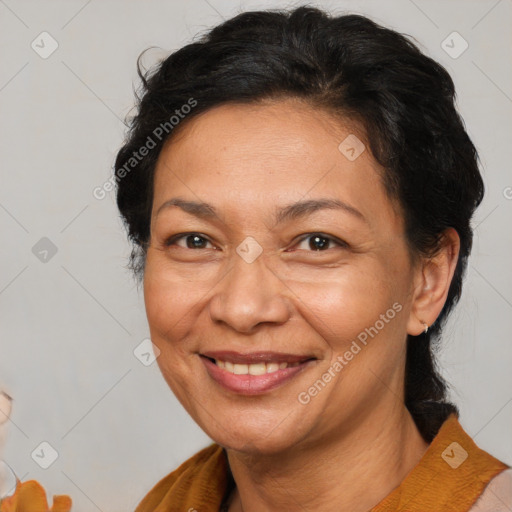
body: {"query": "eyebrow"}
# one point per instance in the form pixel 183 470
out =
pixel 286 213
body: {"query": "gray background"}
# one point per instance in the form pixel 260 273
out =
pixel 69 324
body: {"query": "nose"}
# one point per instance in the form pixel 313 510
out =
pixel 250 294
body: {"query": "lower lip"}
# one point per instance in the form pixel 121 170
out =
pixel 251 384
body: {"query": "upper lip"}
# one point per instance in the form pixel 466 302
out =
pixel 255 357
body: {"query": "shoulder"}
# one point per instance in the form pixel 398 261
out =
pixel 207 466
pixel 497 495
pixel 453 474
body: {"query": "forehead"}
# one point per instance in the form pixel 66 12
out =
pixel 279 131
pixel 257 154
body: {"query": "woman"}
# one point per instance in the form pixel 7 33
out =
pixel 299 189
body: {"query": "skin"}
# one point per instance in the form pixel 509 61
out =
pixel 246 161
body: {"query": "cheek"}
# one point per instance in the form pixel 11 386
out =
pixel 167 320
pixel 168 309
pixel 171 299
pixel 344 305
pixel 361 319
pixel 360 316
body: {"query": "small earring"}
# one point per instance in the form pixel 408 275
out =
pixel 426 326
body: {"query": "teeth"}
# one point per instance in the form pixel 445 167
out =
pixel 253 369
pixel 272 367
pixel 257 369
pixel 241 369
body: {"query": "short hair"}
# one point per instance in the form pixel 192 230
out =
pixel 355 69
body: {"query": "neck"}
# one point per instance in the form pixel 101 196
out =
pixel 366 464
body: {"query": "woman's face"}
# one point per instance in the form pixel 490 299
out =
pixel 279 320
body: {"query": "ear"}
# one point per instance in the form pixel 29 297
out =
pixel 432 283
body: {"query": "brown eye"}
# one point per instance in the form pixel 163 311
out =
pixel 319 242
pixel 192 241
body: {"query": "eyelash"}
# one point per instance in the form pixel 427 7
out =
pixel 173 239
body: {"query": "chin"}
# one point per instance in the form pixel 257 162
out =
pixel 272 435
pixel 256 444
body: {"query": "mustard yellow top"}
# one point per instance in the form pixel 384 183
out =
pixel 450 477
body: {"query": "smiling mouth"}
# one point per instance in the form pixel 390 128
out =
pixel 253 373
pixel 253 368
